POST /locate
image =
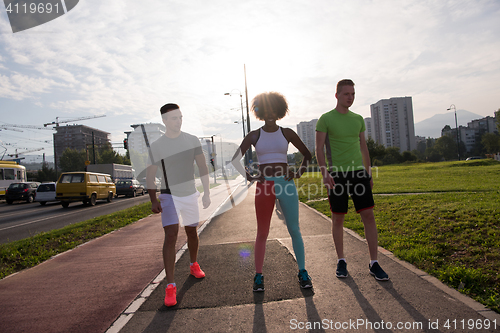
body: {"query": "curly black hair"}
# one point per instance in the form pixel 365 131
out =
pixel 269 102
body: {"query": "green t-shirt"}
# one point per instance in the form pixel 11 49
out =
pixel 343 147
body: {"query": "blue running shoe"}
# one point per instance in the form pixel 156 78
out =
pixel 258 282
pixel 304 279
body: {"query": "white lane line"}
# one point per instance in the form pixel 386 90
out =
pixel 50 217
pixel 36 221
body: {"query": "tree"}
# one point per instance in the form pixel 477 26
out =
pixel 420 155
pixel 421 146
pixel 429 142
pixel 106 155
pixel 375 149
pixel 446 147
pixel 126 158
pixel 408 156
pixel 491 143
pixel 432 155
pixel 297 158
pixel 73 160
pixel 392 156
pixel 46 173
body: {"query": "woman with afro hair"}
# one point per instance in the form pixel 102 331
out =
pixel 274 179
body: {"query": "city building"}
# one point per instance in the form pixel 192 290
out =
pixel 484 125
pixel 419 139
pixel 392 123
pixel 472 133
pixel 224 152
pixel 137 148
pixel 136 140
pixel 77 137
pixel 307 133
pixel 465 134
pixel 368 128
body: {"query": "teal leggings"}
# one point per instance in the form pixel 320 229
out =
pixel 265 196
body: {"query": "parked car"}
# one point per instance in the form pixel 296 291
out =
pixel 25 191
pixel 145 184
pixel 87 187
pixel 129 188
pixel 474 158
pixel 46 192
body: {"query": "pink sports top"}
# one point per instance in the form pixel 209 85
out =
pixel 271 147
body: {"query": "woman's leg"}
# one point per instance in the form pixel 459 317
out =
pixel 287 195
pixel 264 205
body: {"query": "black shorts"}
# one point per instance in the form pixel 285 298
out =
pixel 355 184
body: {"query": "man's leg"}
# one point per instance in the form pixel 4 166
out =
pixel 339 203
pixel 371 233
pixel 193 245
pixel 171 232
pixel 371 236
pixel 338 233
pixel 193 242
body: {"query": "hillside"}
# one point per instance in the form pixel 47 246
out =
pixel 431 127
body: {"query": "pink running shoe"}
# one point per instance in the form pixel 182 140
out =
pixel 196 271
pixel 170 295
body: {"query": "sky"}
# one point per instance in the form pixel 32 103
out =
pixel 125 59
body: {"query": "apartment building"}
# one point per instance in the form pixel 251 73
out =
pixel 393 124
pixel 472 133
pixel 368 128
pixel 136 140
pixel 306 131
pixel 77 137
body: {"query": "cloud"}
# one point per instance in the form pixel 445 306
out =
pixel 127 58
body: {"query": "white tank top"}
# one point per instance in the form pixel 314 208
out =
pixel 271 147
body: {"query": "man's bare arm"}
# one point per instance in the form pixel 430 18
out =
pixel 202 167
pixel 151 186
pixel 321 138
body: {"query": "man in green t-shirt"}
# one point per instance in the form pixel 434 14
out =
pixel 343 134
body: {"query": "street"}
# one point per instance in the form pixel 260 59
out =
pixel 21 220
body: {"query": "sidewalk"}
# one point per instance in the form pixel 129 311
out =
pixel 412 301
pixel 114 284
pixel 86 289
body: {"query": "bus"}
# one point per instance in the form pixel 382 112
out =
pixel 10 172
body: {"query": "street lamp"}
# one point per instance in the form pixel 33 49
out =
pixel 247 157
pixel 241 101
pixel 456 126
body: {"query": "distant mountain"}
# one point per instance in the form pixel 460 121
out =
pixel 431 127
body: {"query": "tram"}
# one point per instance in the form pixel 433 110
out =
pixel 10 172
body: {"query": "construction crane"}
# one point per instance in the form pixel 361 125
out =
pixel 15 126
pixel 2 128
pixel 24 152
pixel 57 122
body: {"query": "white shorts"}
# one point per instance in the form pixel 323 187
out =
pixel 174 207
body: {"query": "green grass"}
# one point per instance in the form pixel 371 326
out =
pixel 463 176
pixel 451 230
pixel 25 253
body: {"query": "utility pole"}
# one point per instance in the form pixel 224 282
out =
pixel 249 151
pixel 93 146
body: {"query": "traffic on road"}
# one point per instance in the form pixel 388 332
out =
pixel 21 219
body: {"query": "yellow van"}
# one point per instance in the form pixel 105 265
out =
pixel 84 186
